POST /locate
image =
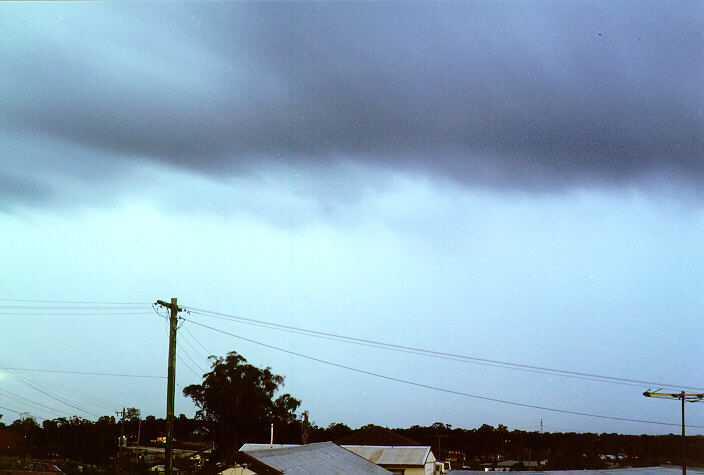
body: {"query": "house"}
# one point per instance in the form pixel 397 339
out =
pixel 319 458
pixel 400 460
pixel 395 452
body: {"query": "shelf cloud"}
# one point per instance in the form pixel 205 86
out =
pixel 535 96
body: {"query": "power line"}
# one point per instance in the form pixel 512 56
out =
pixel 332 336
pixel 87 373
pixel 184 352
pixel 58 307
pixel 191 346
pixel 78 302
pixel 195 350
pixel 62 393
pixel 70 391
pixel 419 351
pixel 17 397
pixel 207 358
pixel 23 412
pixel 90 314
pixel 439 354
pixel 435 388
pixel 37 388
pixel 187 366
pixel 71 394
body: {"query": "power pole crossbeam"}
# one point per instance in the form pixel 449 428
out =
pixel 171 383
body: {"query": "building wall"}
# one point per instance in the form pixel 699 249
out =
pixel 406 471
pixel 432 468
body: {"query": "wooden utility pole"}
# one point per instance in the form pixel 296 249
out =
pixel 305 429
pixel 171 383
pixel 684 445
pixel 121 441
pixel 122 426
pixel 684 397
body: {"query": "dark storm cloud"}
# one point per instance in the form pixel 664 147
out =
pixel 524 94
pixel 16 191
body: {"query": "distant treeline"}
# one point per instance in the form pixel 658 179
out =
pixel 561 450
pixel 93 442
pixel 96 442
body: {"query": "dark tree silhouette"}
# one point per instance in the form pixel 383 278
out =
pixel 132 414
pixel 236 401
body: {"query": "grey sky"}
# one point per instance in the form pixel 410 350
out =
pixel 520 181
pixel 534 95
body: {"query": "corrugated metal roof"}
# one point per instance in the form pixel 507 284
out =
pixel 406 456
pixel 320 458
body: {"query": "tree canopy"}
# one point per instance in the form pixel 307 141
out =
pixel 236 401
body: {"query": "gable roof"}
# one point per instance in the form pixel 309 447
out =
pixel 397 456
pixel 318 458
pixel 375 435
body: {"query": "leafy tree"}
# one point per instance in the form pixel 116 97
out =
pixel 236 401
pixel 441 426
pixel 335 430
pixel 132 414
pixel 28 429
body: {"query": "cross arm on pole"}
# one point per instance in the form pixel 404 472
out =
pixel 168 305
pixel 688 397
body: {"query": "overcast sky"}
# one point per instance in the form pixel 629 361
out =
pixel 517 181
